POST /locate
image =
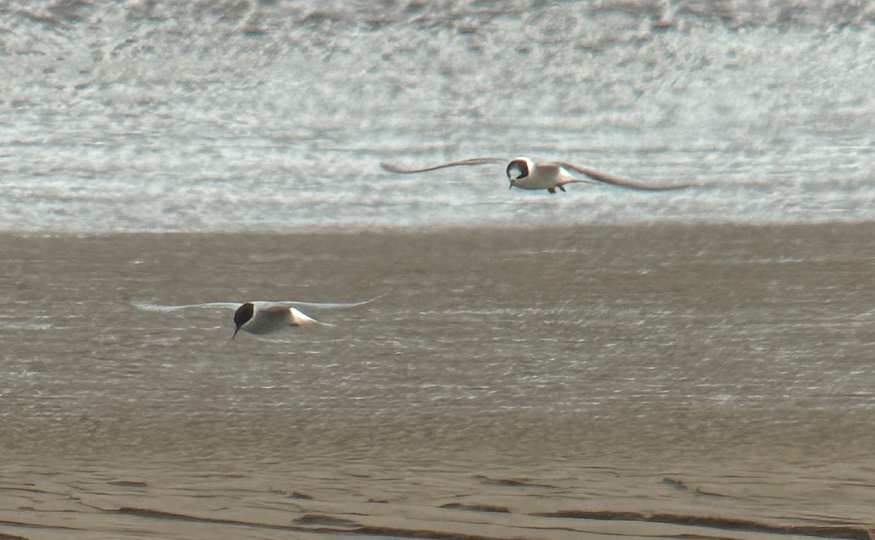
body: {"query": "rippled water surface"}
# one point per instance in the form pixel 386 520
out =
pixel 275 115
pixel 583 371
pixel 597 363
pixel 553 341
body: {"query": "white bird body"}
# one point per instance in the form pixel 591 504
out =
pixel 259 319
pixel 525 173
pixel 260 316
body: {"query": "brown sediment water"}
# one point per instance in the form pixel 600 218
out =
pixel 667 380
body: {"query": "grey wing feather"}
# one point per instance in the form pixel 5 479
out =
pixel 281 315
pixel 616 180
pixel 463 163
pixel 273 314
pixel 149 306
pixel 552 168
pixel 335 305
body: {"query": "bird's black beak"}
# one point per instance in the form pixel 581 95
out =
pixel 235 332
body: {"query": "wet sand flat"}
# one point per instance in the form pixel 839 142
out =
pixel 338 499
pixel 636 381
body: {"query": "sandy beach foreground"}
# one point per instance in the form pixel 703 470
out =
pixel 670 381
pixel 464 500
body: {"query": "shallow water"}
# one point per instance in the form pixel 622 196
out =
pixel 197 116
pixel 600 362
pixel 674 359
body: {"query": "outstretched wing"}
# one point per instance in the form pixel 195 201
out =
pixel 149 306
pixel 464 163
pixel 616 180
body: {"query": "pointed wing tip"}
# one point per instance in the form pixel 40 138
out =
pixel 149 306
pixel 617 181
pixel 463 163
pixel 392 168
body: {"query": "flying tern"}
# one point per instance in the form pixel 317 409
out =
pixel 526 173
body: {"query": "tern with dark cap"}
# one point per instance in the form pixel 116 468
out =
pixel 525 173
pixel 261 316
pixel 267 319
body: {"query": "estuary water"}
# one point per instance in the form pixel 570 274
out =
pixel 596 363
pixel 247 115
pixel 660 380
